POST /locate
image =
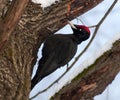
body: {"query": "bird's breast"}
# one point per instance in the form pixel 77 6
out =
pixel 66 54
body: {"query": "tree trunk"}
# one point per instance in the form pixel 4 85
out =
pixel 12 16
pixel 19 54
pixel 95 79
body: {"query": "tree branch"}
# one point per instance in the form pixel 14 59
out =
pixel 86 86
pixel 77 58
pixel 10 20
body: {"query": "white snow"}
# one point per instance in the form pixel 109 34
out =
pixel 45 3
pixel 107 34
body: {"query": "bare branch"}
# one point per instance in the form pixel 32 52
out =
pixel 77 58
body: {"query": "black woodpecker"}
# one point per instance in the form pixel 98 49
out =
pixel 58 50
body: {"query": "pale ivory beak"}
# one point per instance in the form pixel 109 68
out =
pixel 71 24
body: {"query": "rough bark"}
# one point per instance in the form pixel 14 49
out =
pixel 19 54
pixel 95 79
pixel 12 16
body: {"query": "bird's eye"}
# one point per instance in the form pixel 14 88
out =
pixel 80 29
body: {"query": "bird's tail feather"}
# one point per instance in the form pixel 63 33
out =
pixel 34 81
pixel 46 66
pixel 38 75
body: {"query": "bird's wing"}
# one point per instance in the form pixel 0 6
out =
pixel 65 52
pixel 61 47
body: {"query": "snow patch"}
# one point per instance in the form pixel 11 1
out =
pixel 45 3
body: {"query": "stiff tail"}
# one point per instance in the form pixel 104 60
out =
pixel 46 67
pixel 34 81
pixel 39 74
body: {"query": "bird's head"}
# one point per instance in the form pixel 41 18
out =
pixel 79 28
pixel 81 31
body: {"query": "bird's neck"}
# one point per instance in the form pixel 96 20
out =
pixel 76 39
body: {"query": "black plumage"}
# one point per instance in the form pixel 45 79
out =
pixel 58 50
